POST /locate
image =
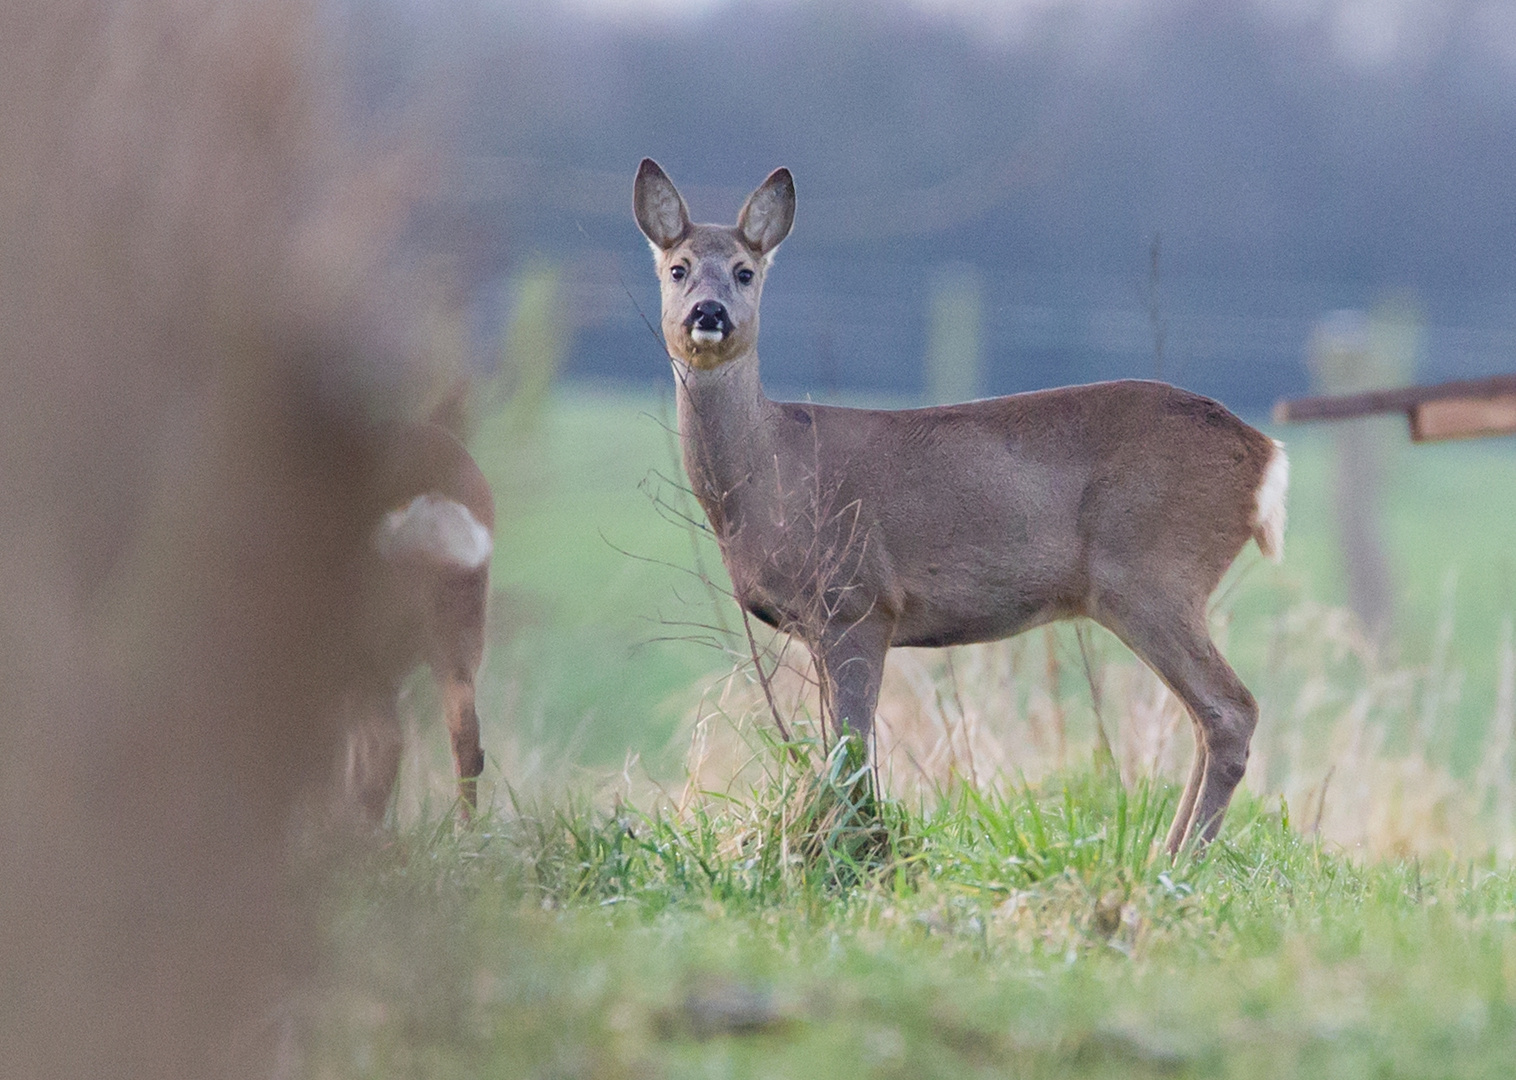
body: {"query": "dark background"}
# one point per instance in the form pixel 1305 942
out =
pixel 1287 157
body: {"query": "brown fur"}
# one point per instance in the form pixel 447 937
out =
pixel 424 610
pixel 862 529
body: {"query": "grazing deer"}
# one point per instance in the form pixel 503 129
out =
pixel 859 529
pixel 433 546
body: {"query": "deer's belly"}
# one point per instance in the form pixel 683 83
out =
pixel 934 629
pixel 983 603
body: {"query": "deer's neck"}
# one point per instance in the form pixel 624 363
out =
pixel 725 435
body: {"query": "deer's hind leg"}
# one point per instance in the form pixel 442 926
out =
pixel 1186 810
pixel 456 653
pixel 370 763
pixel 1175 642
pixel 463 729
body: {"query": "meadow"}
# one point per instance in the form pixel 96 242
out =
pixel 664 887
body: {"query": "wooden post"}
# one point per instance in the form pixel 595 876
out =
pixel 1344 355
pixel 953 348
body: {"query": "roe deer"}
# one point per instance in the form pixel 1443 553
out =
pixel 859 529
pixel 432 546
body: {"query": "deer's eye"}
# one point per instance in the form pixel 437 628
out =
pixel 744 276
pixel 678 273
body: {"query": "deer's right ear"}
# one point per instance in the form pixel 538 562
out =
pixel 661 213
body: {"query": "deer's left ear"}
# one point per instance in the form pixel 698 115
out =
pixel 766 217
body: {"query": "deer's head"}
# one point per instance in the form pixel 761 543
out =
pixel 711 276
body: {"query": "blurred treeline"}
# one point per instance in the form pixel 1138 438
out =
pixel 1196 178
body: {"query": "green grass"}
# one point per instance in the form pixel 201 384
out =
pixel 788 927
pixel 592 581
pixel 1031 935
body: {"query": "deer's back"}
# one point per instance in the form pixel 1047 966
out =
pixel 994 515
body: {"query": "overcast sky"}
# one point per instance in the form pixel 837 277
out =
pixel 1365 33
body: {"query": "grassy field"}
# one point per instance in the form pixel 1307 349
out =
pixel 1032 935
pixel 721 909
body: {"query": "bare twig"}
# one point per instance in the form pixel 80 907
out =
pixel 1105 757
pixel 768 690
pixel 1055 677
pixel 1322 801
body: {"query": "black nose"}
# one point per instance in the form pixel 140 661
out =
pixel 709 315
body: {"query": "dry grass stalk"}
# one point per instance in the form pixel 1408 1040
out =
pixel 1350 743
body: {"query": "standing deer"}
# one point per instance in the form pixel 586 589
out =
pixel 859 529
pixel 432 546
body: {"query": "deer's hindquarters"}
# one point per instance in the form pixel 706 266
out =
pixel 1269 500
pixel 436 530
pixel 433 552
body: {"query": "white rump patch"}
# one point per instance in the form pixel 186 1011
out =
pixel 1268 512
pixel 705 337
pixel 436 529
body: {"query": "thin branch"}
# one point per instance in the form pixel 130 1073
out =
pixel 768 690
pixel 1103 745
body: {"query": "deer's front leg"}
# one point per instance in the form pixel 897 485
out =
pixel 851 659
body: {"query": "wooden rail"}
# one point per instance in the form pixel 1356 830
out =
pixel 1464 409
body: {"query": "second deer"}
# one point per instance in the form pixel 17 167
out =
pixel 431 546
pixel 860 529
